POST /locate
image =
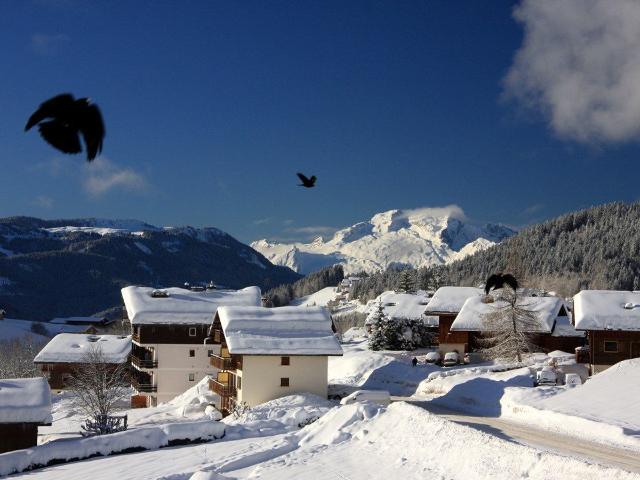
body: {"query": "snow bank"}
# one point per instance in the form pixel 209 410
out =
pixel 480 393
pixel 605 408
pixel 122 442
pixel 25 400
pixel 279 415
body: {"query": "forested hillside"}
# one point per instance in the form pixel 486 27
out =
pixel 593 248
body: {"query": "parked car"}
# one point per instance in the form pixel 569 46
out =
pixel 451 359
pixel 381 397
pixel 433 357
pixel 547 376
pixel 572 380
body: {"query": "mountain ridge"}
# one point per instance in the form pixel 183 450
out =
pixel 403 238
pixel 57 268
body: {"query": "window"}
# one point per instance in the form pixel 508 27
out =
pixel 611 346
pixel 284 361
pixel 284 382
pixel 209 353
pixel 192 377
pixel 192 353
pixel 192 331
pixel 239 383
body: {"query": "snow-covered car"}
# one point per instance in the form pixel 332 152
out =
pixel 572 380
pixel 432 357
pixel 451 359
pixel 380 397
pixel 547 376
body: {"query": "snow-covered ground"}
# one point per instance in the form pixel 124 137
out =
pixel 360 441
pixel 304 436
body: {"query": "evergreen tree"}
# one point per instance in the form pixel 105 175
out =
pixel 407 281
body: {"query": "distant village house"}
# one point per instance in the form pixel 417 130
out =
pixel 67 352
pixel 25 405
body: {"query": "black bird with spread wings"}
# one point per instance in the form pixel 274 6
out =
pixel 62 119
pixel 498 280
pixel 307 182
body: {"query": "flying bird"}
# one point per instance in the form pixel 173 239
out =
pixel 498 280
pixel 307 182
pixel 62 119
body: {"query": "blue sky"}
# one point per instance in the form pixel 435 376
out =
pixel 211 107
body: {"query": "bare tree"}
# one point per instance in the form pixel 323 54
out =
pixel 509 326
pixel 16 357
pixel 98 386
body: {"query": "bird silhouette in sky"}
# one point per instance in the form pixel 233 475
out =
pixel 62 119
pixel 307 182
pixel 498 280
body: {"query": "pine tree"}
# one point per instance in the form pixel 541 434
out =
pixel 377 334
pixel 407 282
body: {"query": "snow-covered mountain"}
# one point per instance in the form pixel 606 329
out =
pixel 423 237
pixel 58 268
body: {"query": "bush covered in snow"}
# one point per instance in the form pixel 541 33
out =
pixel 399 334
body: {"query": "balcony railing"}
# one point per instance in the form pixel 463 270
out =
pixel 143 385
pixel 143 362
pixel 222 389
pixel 222 363
pixel 135 337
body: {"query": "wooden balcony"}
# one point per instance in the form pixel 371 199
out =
pixel 222 363
pixel 143 382
pixel 143 362
pixel 143 387
pixel 221 388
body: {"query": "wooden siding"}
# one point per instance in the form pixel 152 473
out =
pixel 445 335
pixel 16 436
pixel 174 334
pixel 628 346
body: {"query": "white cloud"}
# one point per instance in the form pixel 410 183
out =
pixel 313 230
pixel 452 210
pixel 46 45
pixel 579 65
pixel 102 176
pixel 43 201
pixel 262 221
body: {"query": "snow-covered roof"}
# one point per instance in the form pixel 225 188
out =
pixel 183 306
pixel 564 328
pixel 471 316
pixel 404 305
pixel 73 347
pixel 25 400
pixel 451 299
pixel 278 331
pixel 607 310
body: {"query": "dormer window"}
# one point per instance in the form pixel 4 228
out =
pixel 193 331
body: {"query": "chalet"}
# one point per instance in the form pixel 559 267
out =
pixel 25 404
pixel 267 353
pixel 403 306
pixel 445 304
pixel 551 330
pixel 611 320
pixel 68 351
pixel 168 331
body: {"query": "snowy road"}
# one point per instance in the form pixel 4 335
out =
pixel 545 440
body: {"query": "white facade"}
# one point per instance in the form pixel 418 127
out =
pixel 177 369
pixel 260 379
